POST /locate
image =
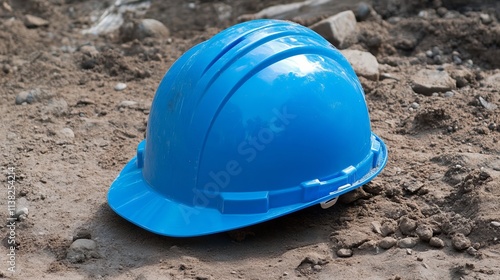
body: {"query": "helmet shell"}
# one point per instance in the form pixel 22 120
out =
pixel 263 119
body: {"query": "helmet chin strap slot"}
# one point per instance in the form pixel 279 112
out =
pixel 329 203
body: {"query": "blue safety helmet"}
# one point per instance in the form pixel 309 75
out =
pixel 264 119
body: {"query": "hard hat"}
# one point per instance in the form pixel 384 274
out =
pixel 264 119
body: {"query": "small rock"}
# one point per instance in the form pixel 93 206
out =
pixel 127 104
pixel 493 80
pixel 424 232
pixel 407 225
pixel 448 94
pixel 436 51
pixel 33 21
pixel 457 60
pixel 85 101
pixel 81 250
pixel 363 11
pixel 388 227
pixel 387 243
pixel 415 105
pixel 376 225
pixel 429 54
pixel 317 267
pixel 441 11
pixel 365 64
pixel 67 133
pixel 409 251
pixel 344 253
pixel 370 244
pixel 89 50
pixel 485 18
pixel 495 224
pixel 373 187
pixel 436 242
pixel 408 242
pixel 31 96
pixel 487 105
pixel 120 86
pixel 82 233
pixel 21 213
pixel 438 59
pixel 427 82
pixel 471 251
pixel 339 29
pixel 57 107
pixel 460 242
pixel 152 28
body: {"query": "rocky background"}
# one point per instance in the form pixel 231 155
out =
pixel 75 96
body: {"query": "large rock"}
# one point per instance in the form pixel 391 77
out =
pixel 427 82
pixel 339 29
pixel 365 64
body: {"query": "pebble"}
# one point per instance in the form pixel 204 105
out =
pixel 339 29
pixel 448 94
pixel 388 227
pixel 127 104
pixel 365 64
pixel 487 105
pixel 408 242
pixel 344 253
pixel 441 11
pixel 370 244
pixel 57 107
pixel 89 50
pixel 427 82
pixel 363 11
pixel 21 213
pixel 457 60
pixel 31 96
pixel 471 251
pixel 424 232
pixel 460 242
pixel 376 227
pixel 81 250
pixel 436 242
pixel 120 86
pixel 485 18
pixel 387 243
pixel 495 224
pixel 414 105
pixel 407 225
pixel 317 267
pixel 67 132
pixel 429 54
pixel 151 28
pixel 31 21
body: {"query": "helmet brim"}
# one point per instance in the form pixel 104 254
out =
pixel 131 197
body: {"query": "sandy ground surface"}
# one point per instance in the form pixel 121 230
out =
pixel 68 144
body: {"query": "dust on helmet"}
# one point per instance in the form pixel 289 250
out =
pixel 264 119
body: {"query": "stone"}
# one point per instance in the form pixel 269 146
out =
pixel 32 96
pixel 471 251
pixel 67 133
pixel 485 19
pixel 495 224
pixel 370 244
pixel 376 225
pixel 460 242
pixel 82 233
pixel 408 242
pixel 344 253
pixel 57 107
pixel 415 105
pixel 33 22
pixel 21 213
pixel 427 82
pixel 363 11
pixel 388 227
pixel 120 86
pixel 487 105
pixel 82 250
pixel 89 50
pixel 407 225
pixel 339 29
pixel 436 242
pixel 127 104
pixel 387 243
pixel 151 28
pixel 424 232
pixel 365 64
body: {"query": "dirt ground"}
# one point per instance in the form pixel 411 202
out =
pixel 67 144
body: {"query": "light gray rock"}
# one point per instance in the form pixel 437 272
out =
pixel 339 29
pixel 21 213
pixel 495 224
pixel 32 96
pixel 127 104
pixel 387 243
pixel 120 86
pixel 151 28
pixel 436 242
pixel 487 105
pixel 344 253
pixel 408 242
pixel 32 21
pixel 66 133
pixel 82 250
pixel 427 82
pixel 376 225
pixel 365 64
pixel 485 19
